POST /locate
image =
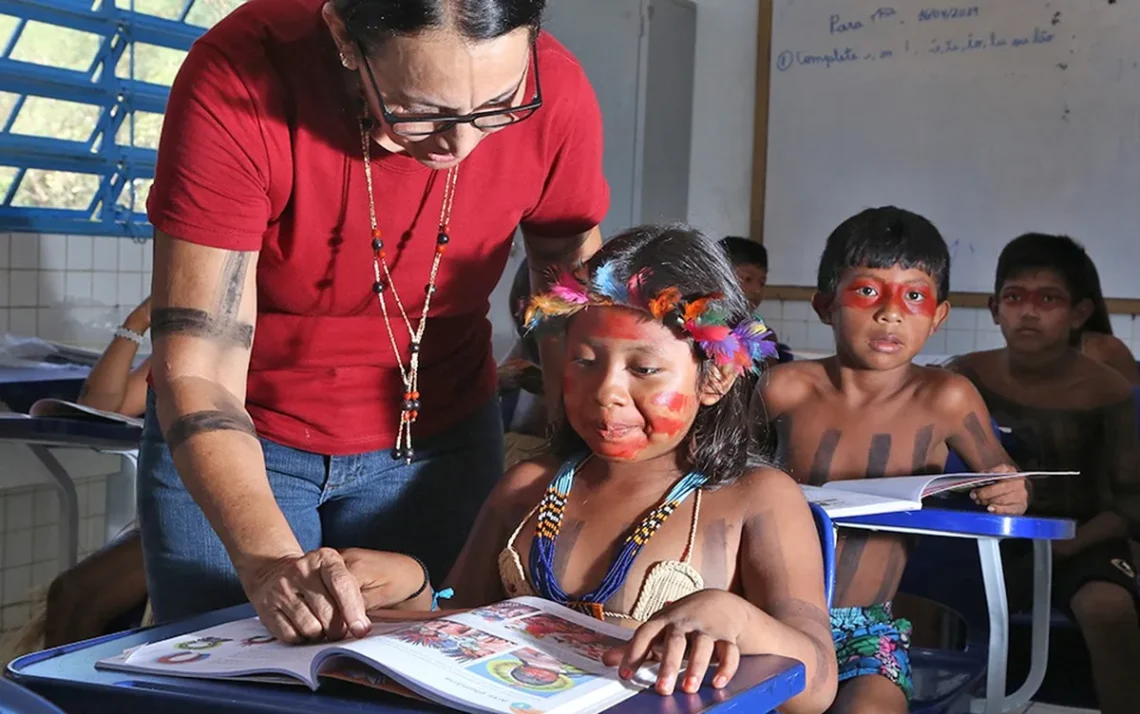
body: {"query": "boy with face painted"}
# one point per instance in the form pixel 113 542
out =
pixel 869 412
pixel 1068 411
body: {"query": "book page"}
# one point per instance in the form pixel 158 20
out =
pixel 916 488
pixel 968 482
pixel 838 503
pixel 60 409
pixel 523 655
pixel 238 649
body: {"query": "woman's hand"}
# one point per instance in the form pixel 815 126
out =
pixel 308 597
pixel 702 627
pixel 388 579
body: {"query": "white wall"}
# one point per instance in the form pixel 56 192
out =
pixel 720 173
pixel 73 289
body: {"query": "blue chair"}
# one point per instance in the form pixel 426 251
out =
pixel 827 542
pixel 14 699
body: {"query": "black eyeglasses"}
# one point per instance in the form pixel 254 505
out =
pixel 417 125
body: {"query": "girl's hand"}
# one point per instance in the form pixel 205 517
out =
pixel 386 579
pixel 701 627
pixel 139 319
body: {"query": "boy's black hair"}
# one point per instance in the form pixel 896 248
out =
pixel 745 251
pixel 721 443
pixel 1067 258
pixel 883 238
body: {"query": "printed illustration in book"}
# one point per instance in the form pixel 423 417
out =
pixel 524 656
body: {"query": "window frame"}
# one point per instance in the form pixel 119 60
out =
pixel 117 166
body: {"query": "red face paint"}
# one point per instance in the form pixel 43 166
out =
pixel 1043 299
pixel 624 324
pixel 674 416
pixel 871 294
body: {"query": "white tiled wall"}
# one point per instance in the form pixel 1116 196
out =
pixel 29 536
pixel 966 330
pixel 74 289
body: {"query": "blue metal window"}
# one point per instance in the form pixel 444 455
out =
pixel 83 87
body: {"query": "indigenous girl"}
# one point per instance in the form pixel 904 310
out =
pixel 652 509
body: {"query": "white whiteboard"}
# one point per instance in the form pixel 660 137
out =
pixel 991 118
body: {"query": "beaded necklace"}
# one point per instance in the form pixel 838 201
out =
pixel 410 374
pixel 549 523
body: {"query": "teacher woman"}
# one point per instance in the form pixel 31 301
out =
pixel 336 193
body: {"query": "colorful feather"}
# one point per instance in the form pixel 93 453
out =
pixel 567 287
pixel 665 302
pixel 636 285
pixel 756 339
pixel 548 305
pixel 605 283
pixel 699 306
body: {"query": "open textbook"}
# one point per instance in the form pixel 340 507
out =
pixel 60 409
pixel 524 655
pixel 869 496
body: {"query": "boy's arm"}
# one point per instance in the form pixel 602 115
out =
pixel 971 435
pixel 1118 483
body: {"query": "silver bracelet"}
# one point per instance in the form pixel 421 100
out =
pixel 128 334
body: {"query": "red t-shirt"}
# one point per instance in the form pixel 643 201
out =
pixel 260 151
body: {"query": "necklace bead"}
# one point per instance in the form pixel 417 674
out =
pixel 383 285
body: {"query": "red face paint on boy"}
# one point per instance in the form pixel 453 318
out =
pixel 1043 299
pixel 867 293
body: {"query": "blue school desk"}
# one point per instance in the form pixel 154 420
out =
pixel 989 530
pixel 14 699
pixel 41 434
pixel 67 677
pixel 20 387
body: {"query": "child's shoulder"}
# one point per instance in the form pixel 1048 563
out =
pixel 789 383
pixel 944 387
pixel 977 363
pixel 1102 384
pixel 764 488
pixel 524 482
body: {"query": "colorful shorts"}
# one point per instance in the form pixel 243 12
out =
pixel 869 641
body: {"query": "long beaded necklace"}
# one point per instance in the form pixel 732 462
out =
pixel 549 523
pixel 409 374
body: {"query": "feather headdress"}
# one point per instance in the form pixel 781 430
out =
pixel 741 347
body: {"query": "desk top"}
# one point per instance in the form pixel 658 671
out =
pixel 964 524
pixel 67 676
pixel 49 431
pixel 54 373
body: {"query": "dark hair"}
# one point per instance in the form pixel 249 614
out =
pixel 370 22
pixel 721 443
pixel 517 299
pixel 883 238
pixel 744 251
pixel 1066 257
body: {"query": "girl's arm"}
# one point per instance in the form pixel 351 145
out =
pixel 781 572
pixel 112 383
pixel 783 609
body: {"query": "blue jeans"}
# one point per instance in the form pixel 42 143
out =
pixel 365 500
